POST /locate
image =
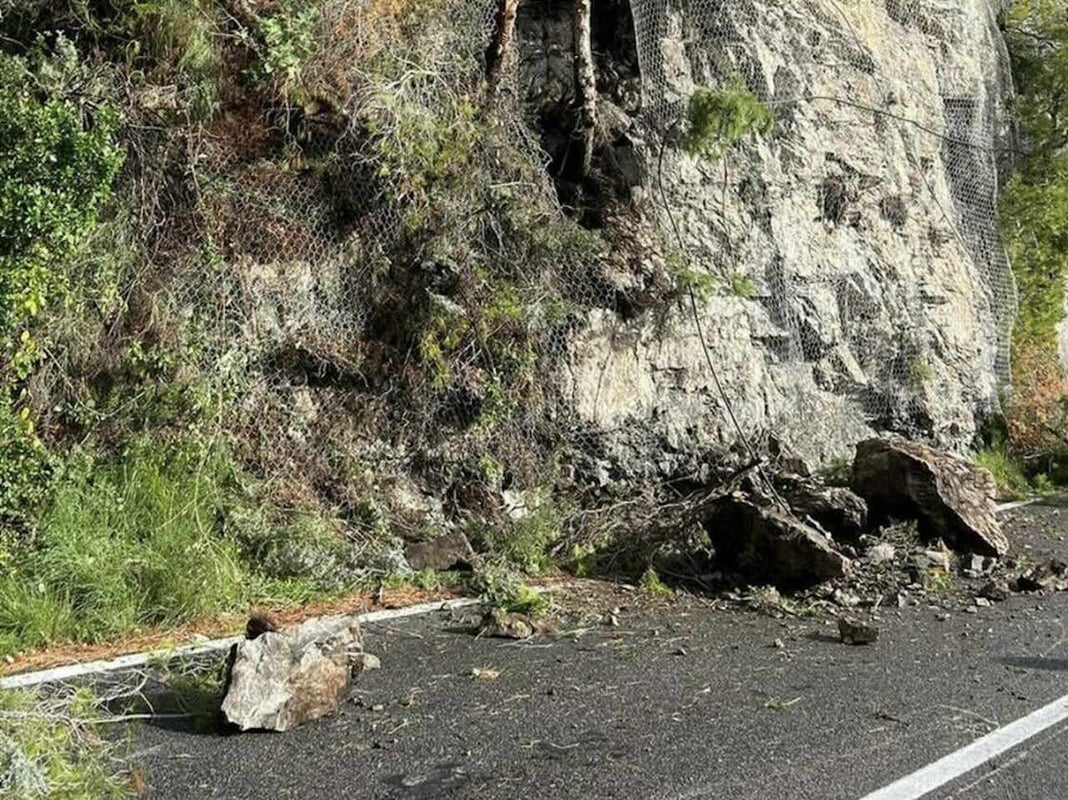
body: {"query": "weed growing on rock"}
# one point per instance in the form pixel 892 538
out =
pixel 937 581
pixel 720 118
pixel 920 372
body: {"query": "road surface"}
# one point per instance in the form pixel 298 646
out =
pixel 681 701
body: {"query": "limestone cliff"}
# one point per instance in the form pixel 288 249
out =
pixel 862 284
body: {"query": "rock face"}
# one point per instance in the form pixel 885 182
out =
pixel 876 294
pixel 280 680
pixel 951 498
pixel 767 545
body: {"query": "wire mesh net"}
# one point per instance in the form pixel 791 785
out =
pixel 852 85
pixel 395 281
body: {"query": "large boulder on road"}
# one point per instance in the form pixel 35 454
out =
pixel 765 544
pixel 951 498
pixel 279 680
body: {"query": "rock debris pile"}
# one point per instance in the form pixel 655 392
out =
pixel 916 525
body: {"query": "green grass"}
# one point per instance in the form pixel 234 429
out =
pixel 1011 481
pixel 143 543
pixel 119 548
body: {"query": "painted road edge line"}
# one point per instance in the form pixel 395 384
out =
pixel 135 660
pixel 933 776
pixel 1014 505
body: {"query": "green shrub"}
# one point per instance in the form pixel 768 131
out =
pixel 57 163
pixel 289 41
pixel 56 169
pixel 525 542
pixel 500 587
pixel 720 118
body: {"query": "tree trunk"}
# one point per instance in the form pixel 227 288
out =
pixel 585 83
pixel 502 39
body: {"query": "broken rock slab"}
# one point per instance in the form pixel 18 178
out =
pixel 765 544
pixel 282 679
pixel 837 510
pixel 951 498
pixel 448 551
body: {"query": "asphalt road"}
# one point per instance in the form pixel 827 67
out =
pixel 677 702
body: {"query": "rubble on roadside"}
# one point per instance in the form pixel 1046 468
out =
pixel 924 534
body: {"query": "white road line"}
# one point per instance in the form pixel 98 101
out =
pixel 1018 504
pixel 926 780
pixel 136 660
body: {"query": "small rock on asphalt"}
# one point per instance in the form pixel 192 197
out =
pixel 996 591
pixel 857 633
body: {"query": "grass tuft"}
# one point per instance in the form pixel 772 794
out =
pixel 1011 481
pixel 123 547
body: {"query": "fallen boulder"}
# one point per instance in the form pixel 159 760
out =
pixel 837 510
pixel 448 551
pixel 765 544
pixel 951 498
pixel 281 679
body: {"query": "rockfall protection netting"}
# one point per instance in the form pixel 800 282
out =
pixel 390 286
pixel 853 83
